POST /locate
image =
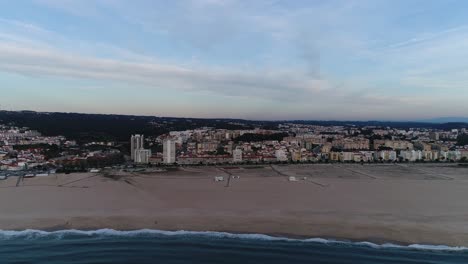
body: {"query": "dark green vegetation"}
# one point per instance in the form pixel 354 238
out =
pixel 462 140
pixel 96 127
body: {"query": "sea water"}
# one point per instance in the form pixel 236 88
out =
pixel 154 246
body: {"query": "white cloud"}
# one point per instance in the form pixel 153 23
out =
pixel 273 85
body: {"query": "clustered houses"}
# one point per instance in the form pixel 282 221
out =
pixel 24 157
pixel 24 149
pixel 307 143
pixel 31 153
pixel 23 136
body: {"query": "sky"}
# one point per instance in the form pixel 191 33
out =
pixel 250 59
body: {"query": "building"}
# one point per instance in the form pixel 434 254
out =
pixel 430 155
pixel 334 156
pixel 351 144
pixel 411 155
pixel 136 142
pixel 208 146
pixel 385 155
pixel 454 155
pixel 326 148
pixel 169 151
pixel 296 155
pixel 434 136
pixel 280 155
pixel 142 156
pixel 422 146
pixel 393 144
pixel 237 155
pixel 347 156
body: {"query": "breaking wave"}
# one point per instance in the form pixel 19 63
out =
pixel 31 234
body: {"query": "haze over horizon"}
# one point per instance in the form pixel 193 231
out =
pixel 265 59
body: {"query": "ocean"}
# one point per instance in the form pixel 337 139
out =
pixel 154 246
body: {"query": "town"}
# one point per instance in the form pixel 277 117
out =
pixel 293 143
pixel 26 152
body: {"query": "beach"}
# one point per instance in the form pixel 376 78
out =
pixel 398 203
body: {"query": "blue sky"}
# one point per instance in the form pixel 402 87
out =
pixel 262 59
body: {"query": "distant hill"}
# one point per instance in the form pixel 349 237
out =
pixel 101 127
pixel 441 120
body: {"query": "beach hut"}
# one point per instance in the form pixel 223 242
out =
pixel 292 179
pixel 219 178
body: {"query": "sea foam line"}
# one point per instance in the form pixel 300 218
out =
pixel 35 234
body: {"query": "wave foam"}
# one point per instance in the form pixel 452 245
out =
pixel 35 234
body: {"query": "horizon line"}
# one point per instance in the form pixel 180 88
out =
pixel 427 121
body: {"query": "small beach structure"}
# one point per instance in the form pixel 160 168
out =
pixel 292 179
pixel 218 178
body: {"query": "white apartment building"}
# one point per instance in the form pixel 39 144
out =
pixel 142 155
pixel 169 151
pixel 280 155
pixel 136 143
pixel 347 156
pixel 237 155
pixel 411 155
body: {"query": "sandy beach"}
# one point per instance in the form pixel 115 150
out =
pixel 424 204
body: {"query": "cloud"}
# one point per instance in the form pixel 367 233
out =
pixel 272 85
pixel 435 60
pixel 46 54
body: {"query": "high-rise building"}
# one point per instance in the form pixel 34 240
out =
pixel 136 143
pixel 169 151
pixel 142 155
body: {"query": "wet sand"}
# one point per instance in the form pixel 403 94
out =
pixel 424 204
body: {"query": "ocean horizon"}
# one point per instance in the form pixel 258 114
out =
pixel 158 246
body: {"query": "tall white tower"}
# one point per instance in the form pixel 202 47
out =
pixel 169 151
pixel 136 143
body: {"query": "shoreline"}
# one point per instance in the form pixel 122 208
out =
pixel 378 234
pixel 378 204
pixel 248 236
